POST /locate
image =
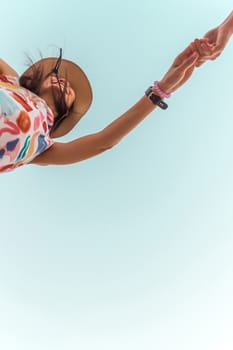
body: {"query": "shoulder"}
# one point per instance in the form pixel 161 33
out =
pixel 6 69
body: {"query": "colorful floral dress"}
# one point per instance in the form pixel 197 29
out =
pixel 25 124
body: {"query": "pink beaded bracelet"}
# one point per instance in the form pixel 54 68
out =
pixel 161 93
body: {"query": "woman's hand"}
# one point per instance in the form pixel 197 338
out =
pixel 180 71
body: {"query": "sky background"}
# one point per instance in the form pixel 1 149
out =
pixel 132 249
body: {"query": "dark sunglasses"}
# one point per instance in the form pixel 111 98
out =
pixel 55 71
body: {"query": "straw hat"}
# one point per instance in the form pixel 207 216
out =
pixel 78 81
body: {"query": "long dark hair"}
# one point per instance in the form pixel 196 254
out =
pixel 34 81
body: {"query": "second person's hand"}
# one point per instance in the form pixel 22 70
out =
pixel 217 37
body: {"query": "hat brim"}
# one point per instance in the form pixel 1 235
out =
pixel 78 81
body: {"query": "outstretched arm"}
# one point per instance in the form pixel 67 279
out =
pixel 6 69
pixel 94 144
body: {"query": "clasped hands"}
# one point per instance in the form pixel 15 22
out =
pixel 197 52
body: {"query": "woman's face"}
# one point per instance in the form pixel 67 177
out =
pixel 53 88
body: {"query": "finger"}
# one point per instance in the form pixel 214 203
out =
pixel 206 51
pixel 207 41
pixel 212 58
pixel 201 47
pixel 216 56
pixel 195 46
pixel 218 49
pixel 211 37
pixel 202 60
pixel 210 45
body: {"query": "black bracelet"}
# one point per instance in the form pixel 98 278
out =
pixel 155 98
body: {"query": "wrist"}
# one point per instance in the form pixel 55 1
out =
pixel 155 97
pixel 159 91
pixel 164 87
pixel 228 24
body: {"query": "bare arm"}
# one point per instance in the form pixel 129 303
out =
pixel 6 69
pixel 94 144
pixel 91 145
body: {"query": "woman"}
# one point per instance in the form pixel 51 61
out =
pixel 48 101
pixel 53 94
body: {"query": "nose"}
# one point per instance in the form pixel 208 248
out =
pixel 62 81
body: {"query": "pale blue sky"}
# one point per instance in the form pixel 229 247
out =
pixel 132 249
